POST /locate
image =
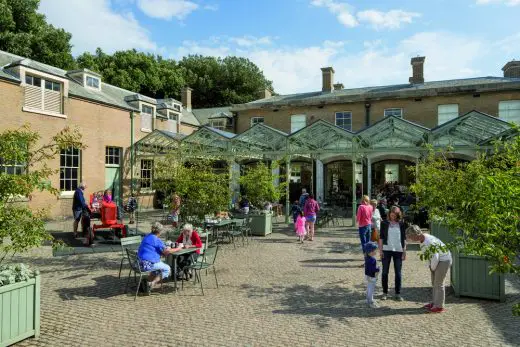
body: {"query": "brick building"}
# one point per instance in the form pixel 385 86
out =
pixel 109 118
pixel 424 103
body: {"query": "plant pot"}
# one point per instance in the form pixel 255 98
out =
pixel 469 274
pixel 20 311
pixel 261 224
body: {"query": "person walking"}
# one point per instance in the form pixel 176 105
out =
pixel 371 272
pixel 176 209
pixel 439 264
pixel 310 211
pixel 78 206
pixel 392 246
pixel 303 198
pixel 364 220
pixel 300 226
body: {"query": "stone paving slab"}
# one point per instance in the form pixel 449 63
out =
pixel 273 292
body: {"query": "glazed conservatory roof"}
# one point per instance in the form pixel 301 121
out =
pixel 321 137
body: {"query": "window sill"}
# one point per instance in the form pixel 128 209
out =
pixel 66 195
pixel 46 113
pixel 146 130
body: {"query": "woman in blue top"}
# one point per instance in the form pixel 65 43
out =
pixel 150 252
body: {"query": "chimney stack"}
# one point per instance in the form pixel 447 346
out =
pixel 339 86
pixel 417 70
pixel 327 79
pixel 186 98
pixel 512 69
pixel 264 94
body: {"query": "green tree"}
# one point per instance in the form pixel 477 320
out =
pixel 258 183
pixel 140 72
pixel 20 227
pixel 25 32
pixel 480 199
pixel 203 189
pixel 222 82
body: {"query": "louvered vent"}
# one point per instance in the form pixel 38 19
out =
pixel 52 101
pixel 33 97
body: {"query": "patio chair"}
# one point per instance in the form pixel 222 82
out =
pixel 134 266
pixel 208 262
pixel 131 243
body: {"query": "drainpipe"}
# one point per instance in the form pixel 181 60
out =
pixel 132 116
pixel 367 114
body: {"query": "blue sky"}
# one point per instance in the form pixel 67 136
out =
pixel 367 42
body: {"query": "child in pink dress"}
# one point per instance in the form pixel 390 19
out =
pixel 300 226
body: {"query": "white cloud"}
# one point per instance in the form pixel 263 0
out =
pixel 213 7
pixel 387 20
pixel 507 2
pixel 343 11
pixel 94 24
pixel 297 69
pixel 167 9
pixel 250 41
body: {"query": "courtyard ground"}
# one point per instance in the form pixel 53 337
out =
pixel 273 292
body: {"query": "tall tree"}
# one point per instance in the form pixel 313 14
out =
pixel 25 32
pixel 221 82
pixel 140 72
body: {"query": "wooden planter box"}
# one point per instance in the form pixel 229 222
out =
pixel 19 311
pixel 261 224
pixel 469 274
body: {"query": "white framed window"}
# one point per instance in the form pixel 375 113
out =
pixel 445 113
pixel 344 120
pixel 173 116
pixel 172 121
pixel 113 155
pixel 147 118
pixel 219 124
pixel 396 112
pixel 257 120
pixel 146 173
pixel 70 165
pixel 509 111
pixel 298 121
pixel 12 168
pixel 43 94
pixel 92 82
pixel 296 174
pixel 177 107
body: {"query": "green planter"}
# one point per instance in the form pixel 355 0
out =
pixel 469 273
pixel 20 311
pixel 261 224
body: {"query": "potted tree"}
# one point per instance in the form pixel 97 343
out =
pixel 258 184
pixel 24 170
pixel 475 208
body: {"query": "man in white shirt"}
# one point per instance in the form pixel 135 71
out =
pixel 440 262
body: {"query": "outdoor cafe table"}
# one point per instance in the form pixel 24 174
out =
pixel 172 260
pixel 216 226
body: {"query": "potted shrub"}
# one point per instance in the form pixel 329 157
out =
pixel 475 209
pixel 258 184
pixel 22 228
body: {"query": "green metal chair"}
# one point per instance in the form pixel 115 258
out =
pixel 134 266
pixel 208 261
pixel 131 243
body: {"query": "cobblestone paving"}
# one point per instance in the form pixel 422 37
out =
pixel 274 292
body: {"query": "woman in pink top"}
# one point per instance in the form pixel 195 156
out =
pixel 310 211
pixel 364 221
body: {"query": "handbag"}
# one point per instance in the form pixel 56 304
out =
pixel 374 236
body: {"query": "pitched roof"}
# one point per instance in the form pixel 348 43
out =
pixel 474 85
pixel 109 94
pixel 203 115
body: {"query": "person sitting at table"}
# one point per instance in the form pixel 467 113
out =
pixel 244 205
pixel 149 255
pixel 189 239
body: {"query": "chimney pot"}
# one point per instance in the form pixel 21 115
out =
pixel 264 94
pixel 512 69
pixel 186 98
pixel 327 74
pixel 339 86
pixel 417 70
